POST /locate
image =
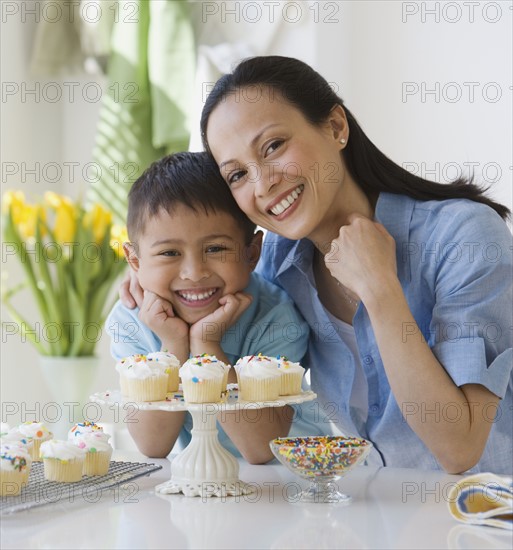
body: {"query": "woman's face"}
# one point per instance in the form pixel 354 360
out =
pixel 284 173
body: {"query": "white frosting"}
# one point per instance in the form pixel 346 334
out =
pixel 257 366
pixel 287 366
pixel 15 436
pixel 35 430
pixel 11 455
pixel 137 366
pixel 93 442
pixel 203 367
pixel 83 428
pixel 163 360
pixel 4 428
pixel 62 450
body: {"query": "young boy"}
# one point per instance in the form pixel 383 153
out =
pixel 194 252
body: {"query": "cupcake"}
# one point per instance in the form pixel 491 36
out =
pixel 38 433
pixel 169 364
pixel 98 452
pixel 203 377
pixel 15 437
pixel 259 378
pixel 15 463
pixel 63 461
pixel 142 380
pixel 291 376
pixel 83 428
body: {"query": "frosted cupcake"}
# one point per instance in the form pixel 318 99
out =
pixel 37 432
pixel 203 377
pixel 98 452
pixel 142 380
pixel 82 428
pixel 259 378
pixel 15 463
pixel 15 437
pixel 170 365
pixel 63 461
pixel 291 376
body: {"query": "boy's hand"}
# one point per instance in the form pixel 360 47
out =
pixel 158 315
pixel 212 327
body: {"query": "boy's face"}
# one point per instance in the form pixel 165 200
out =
pixel 192 259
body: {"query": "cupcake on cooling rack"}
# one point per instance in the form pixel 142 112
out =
pixel 203 379
pixel 82 428
pixel 15 464
pixel 37 432
pixel 291 376
pixel 142 380
pixel 98 452
pixel 169 364
pixel 259 378
pixel 15 437
pixel 62 460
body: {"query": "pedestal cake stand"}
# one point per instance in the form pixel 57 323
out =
pixel 204 468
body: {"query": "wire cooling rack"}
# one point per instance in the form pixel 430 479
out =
pixel 39 491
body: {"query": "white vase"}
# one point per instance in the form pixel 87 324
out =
pixel 70 382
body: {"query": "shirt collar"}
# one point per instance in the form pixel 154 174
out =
pixel 395 213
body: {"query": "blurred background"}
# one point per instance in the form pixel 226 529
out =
pixel 94 91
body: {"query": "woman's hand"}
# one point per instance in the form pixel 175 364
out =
pixel 130 291
pixel 362 257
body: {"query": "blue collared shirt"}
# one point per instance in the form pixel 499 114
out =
pixel 454 262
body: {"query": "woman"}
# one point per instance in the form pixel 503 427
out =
pixel 411 342
pixel 405 283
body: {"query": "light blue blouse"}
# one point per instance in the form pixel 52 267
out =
pixel 454 261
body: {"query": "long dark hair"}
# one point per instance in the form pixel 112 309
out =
pixel 307 90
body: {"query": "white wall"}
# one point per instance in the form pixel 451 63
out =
pixel 369 49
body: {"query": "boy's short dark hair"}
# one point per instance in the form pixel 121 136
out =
pixel 190 179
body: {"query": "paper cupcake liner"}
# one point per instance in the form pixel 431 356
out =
pixel 266 389
pixel 290 383
pixel 173 380
pixel 12 481
pixel 58 470
pixel 206 391
pixel 97 464
pixel 34 450
pixel 147 389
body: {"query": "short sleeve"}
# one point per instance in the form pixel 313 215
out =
pixel 472 322
pixel 128 336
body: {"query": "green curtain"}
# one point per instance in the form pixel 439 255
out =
pixel 145 113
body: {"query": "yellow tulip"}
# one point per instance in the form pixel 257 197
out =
pixel 65 216
pixel 13 201
pixel 25 216
pixel 118 236
pixel 98 219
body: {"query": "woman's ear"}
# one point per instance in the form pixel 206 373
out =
pixel 339 126
pixel 254 249
pixel 131 256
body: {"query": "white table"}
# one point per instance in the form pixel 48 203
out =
pixel 391 508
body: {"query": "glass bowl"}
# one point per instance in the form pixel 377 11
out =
pixel 321 460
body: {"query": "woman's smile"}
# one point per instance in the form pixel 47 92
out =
pixel 286 203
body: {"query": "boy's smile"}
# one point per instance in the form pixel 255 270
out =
pixel 192 259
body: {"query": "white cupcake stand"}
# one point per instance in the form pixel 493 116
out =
pixel 204 468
